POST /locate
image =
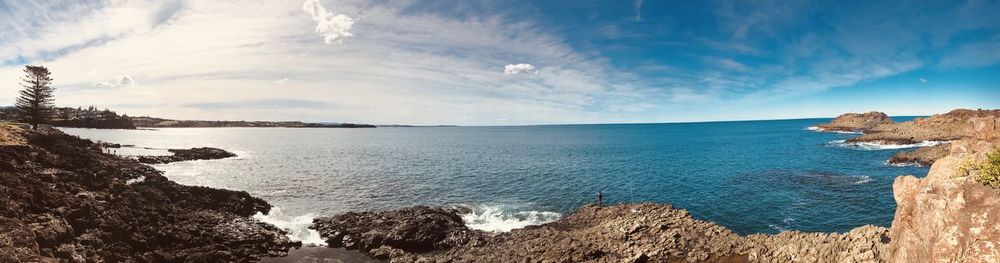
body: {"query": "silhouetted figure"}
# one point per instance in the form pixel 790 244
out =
pixel 600 199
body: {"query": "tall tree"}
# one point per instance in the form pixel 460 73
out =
pixel 35 102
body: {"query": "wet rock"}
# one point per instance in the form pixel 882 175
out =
pixel 414 229
pixel 179 155
pixel 924 156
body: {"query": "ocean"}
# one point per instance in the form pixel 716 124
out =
pixel 750 176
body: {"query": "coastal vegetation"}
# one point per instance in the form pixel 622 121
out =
pixel 989 169
pixel 36 103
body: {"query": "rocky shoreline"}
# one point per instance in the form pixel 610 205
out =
pixel 644 232
pixel 945 216
pixel 63 200
pixel 878 128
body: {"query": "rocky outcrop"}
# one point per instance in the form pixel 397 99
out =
pixel 856 122
pixel 620 233
pixel 180 155
pixel 410 230
pixel 62 199
pixel 950 126
pixel 947 216
pixel 644 232
pixel 862 244
pixel 924 156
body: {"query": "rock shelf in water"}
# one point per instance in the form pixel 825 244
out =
pixel 179 155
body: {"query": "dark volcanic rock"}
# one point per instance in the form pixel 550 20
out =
pixel 203 153
pixel 62 199
pixel 414 229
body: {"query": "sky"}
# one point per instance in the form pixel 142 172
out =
pixel 475 62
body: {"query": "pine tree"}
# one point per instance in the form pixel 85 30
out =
pixel 36 103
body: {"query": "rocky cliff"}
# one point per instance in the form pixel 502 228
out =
pixel 63 200
pixel 949 216
pixel 853 122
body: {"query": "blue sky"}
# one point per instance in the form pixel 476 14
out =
pixel 507 62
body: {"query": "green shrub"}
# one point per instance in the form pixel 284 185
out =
pixel 989 169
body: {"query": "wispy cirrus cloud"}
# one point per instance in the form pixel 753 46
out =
pixel 398 67
pixel 424 62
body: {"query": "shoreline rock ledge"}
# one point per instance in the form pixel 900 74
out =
pixel 63 200
pixel 644 232
pixel 180 155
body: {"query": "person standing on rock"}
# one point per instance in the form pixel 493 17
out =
pixel 600 199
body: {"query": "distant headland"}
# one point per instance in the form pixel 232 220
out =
pixel 92 117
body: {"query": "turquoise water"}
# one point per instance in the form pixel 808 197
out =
pixel 751 176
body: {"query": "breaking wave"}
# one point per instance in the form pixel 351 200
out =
pixel 818 129
pixel 496 218
pixel 864 179
pixel 909 164
pixel 872 146
pixel 296 226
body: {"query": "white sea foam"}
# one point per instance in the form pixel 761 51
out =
pixel 496 218
pixel 909 164
pixel 818 129
pixel 874 146
pixel 864 179
pixel 296 226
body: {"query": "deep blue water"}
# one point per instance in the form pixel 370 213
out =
pixel 750 176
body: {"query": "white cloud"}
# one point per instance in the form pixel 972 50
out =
pixel 922 80
pixel 333 28
pixel 514 69
pixel 118 82
pixel 408 68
